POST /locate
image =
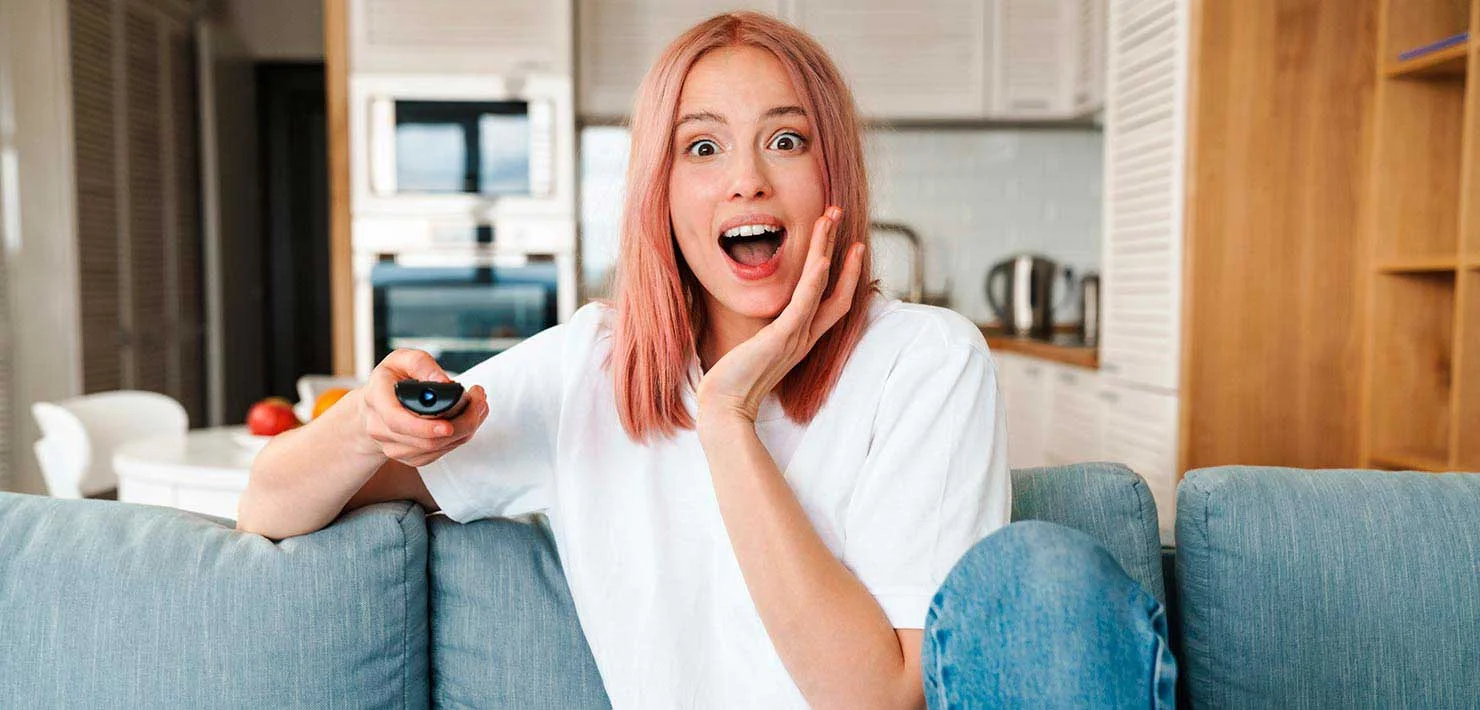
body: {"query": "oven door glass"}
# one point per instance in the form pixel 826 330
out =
pixel 463 147
pixel 461 315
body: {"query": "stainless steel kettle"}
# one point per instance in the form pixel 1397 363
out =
pixel 1021 292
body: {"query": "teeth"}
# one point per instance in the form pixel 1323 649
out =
pixel 750 230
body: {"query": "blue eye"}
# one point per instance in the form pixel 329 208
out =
pixel 797 140
pixel 690 149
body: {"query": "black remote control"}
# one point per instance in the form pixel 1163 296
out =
pixel 440 400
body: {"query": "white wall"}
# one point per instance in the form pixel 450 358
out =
pixel 41 243
pixel 974 196
pixel 280 30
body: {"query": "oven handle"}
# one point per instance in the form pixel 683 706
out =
pixel 471 257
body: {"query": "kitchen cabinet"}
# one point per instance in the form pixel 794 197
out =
pixel 1022 383
pixel 511 37
pixel 925 59
pixel 620 39
pixel 1046 58
pixel 1139 430
pixel 1076 416
pixel 928 60
pixel 1059 415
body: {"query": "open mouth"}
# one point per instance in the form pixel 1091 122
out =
pixel 753 246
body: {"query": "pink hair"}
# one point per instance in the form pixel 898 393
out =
pixel 659 309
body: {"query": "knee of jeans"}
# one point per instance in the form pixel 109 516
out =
pixel 1048 554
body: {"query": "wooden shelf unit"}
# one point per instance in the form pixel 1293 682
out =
pixel 1422 381
pixel 1465 435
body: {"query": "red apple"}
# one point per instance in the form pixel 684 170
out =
pixel 271 416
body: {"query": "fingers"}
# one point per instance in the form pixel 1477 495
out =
pixel 804 300
pixel 396 428
pixel 841 299
pixel 408 363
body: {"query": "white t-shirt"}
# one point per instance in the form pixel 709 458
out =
pixel 901 471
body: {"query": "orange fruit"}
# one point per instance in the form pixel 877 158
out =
pixel 326 399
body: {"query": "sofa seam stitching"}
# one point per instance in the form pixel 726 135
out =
pixel 405 607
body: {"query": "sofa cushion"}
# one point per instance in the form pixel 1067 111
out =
pixel 503 624
pixel 106 604
pixel 1109 502
pixel 1350 589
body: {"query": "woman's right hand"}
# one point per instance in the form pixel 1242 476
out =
pixel 391 430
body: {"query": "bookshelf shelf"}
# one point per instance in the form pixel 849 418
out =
pixel 1449 63
pixel 1418 266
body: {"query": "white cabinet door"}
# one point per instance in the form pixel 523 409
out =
pixel 1045 58
pixel 1145 151
pixel 460 37
pixel 1075 416
pixel 1140 431
pixel 1024 384
pixel 906 60
pixel 620 39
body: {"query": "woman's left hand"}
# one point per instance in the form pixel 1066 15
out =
pixel 735 386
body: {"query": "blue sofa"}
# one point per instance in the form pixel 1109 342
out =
pixel 1288 588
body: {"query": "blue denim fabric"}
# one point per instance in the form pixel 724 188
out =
pixel 1040 615
pixel 1107 501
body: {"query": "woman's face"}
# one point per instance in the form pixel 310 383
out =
pixel 745 155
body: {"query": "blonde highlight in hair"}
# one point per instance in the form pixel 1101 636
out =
pixel 658 301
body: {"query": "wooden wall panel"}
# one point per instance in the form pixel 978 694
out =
pixel 1278 154
pixel 341 274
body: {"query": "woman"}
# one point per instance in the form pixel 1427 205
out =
pixel 758 472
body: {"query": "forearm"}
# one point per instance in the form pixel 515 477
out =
pixel 830 632
pixel 304 477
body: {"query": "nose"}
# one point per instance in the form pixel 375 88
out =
pixel 748 178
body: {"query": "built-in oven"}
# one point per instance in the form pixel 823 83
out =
pixel 461 306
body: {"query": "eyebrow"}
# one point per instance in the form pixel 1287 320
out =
pixel 716 118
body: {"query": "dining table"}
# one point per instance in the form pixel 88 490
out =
pixel 203 470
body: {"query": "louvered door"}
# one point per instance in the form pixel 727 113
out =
pixel 922 59
pixel 620 39
pixel 1143 192
pixel 1141 264
pixel 138 234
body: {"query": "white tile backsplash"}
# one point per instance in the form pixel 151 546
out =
pixel 975 196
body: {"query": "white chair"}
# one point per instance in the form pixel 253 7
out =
pixel 311 386
pixel 78 436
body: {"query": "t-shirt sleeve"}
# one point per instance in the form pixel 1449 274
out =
pixel 935 480
pixel 507 468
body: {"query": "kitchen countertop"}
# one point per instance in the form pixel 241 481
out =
pixel 1063 349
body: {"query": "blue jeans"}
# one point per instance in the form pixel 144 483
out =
pixel 1040 615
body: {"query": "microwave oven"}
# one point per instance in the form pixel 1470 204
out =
pixel 479 149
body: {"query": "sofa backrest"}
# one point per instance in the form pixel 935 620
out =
pixel 1106 501
pixel 505 632
pixel 503 624
pixel 1329 589
pixel 105 604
